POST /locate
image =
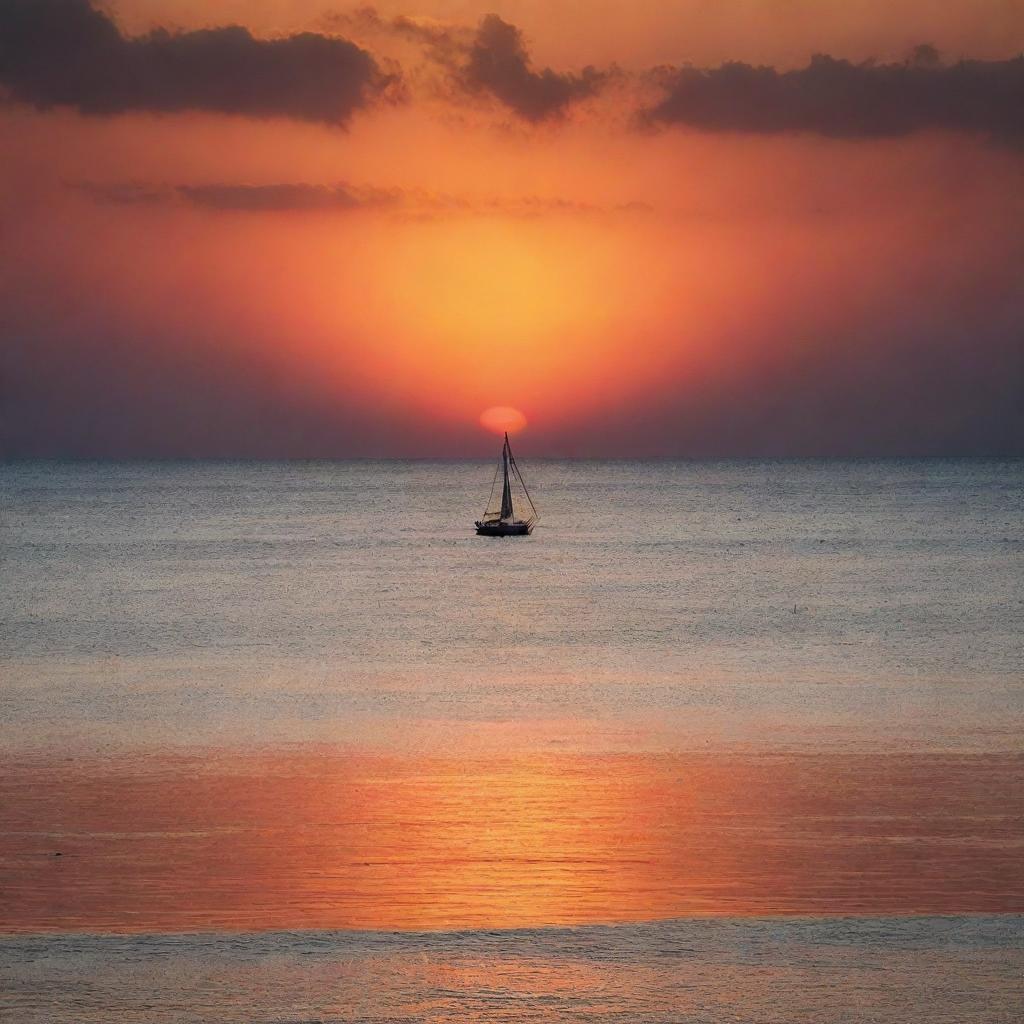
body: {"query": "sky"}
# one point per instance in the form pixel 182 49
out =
pixel 292 228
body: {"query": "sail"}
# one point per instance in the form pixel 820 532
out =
pixel 506 491
pixel 510 500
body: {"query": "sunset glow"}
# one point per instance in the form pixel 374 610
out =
pixel 368 263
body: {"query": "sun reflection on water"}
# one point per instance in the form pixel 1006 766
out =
pixel 321 839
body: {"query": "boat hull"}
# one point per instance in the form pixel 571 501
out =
pixel 504 529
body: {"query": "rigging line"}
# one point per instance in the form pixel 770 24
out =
pixel 519 476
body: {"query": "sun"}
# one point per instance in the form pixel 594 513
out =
pixel 502 419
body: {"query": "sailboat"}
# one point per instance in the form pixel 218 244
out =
pixel 514 515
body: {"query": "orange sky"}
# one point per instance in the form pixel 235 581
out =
pixel 646 32
pixel 194 282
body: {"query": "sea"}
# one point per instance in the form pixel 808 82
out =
pixel 733 741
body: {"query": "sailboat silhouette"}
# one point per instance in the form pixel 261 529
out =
pixel 513 514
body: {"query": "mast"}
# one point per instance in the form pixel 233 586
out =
pixel 506 491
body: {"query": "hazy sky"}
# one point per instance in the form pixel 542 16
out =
pixel 665 227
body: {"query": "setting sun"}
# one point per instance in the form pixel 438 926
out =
pixel 502 419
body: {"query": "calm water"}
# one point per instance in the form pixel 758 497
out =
pixel 884 971
pixel 268 702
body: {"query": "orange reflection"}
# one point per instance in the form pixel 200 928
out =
pixel 345 841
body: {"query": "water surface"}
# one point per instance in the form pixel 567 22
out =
pixel 720 742
pixel 668 605
pixel 962 970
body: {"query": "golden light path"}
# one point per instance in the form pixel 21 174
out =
pixel 332 839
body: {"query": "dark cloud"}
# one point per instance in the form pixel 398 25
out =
pixel 68 53
pixel 844 100
pixel 498 63
pixel 256 198
pixel 302 196
pixel 246 198
pixel 490 59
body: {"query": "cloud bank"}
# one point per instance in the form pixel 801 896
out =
pixel 839 99
pixel 68 53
